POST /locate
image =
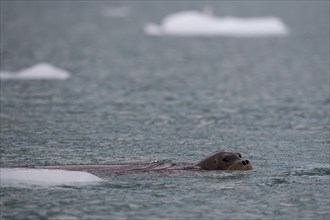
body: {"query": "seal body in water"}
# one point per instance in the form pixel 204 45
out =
pixel 220 160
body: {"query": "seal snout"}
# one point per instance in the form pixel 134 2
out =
pixel 245 162
pixel 243 165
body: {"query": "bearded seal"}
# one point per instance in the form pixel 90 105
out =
pixel 223 160
pixel 220 160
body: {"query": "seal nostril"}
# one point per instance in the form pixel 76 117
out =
pixel 243 162
pixel 247 162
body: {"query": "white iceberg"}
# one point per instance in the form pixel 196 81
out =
pixel 41 71
pixel 194 23
pixel 44 177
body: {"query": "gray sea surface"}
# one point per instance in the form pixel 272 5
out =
pixel 138 98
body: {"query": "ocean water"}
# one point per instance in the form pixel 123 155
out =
pixel 132 97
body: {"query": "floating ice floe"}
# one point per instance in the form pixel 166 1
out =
pixel 194 23
pixel 41 71
pixel 44 177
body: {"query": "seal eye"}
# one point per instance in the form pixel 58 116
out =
pixel 239 155
pixel 226 159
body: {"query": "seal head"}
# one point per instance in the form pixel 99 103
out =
pixel 222 160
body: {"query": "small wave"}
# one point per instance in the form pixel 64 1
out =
pixel 40 71
pixel 194 23
pixel 320 171
pixel 44 177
